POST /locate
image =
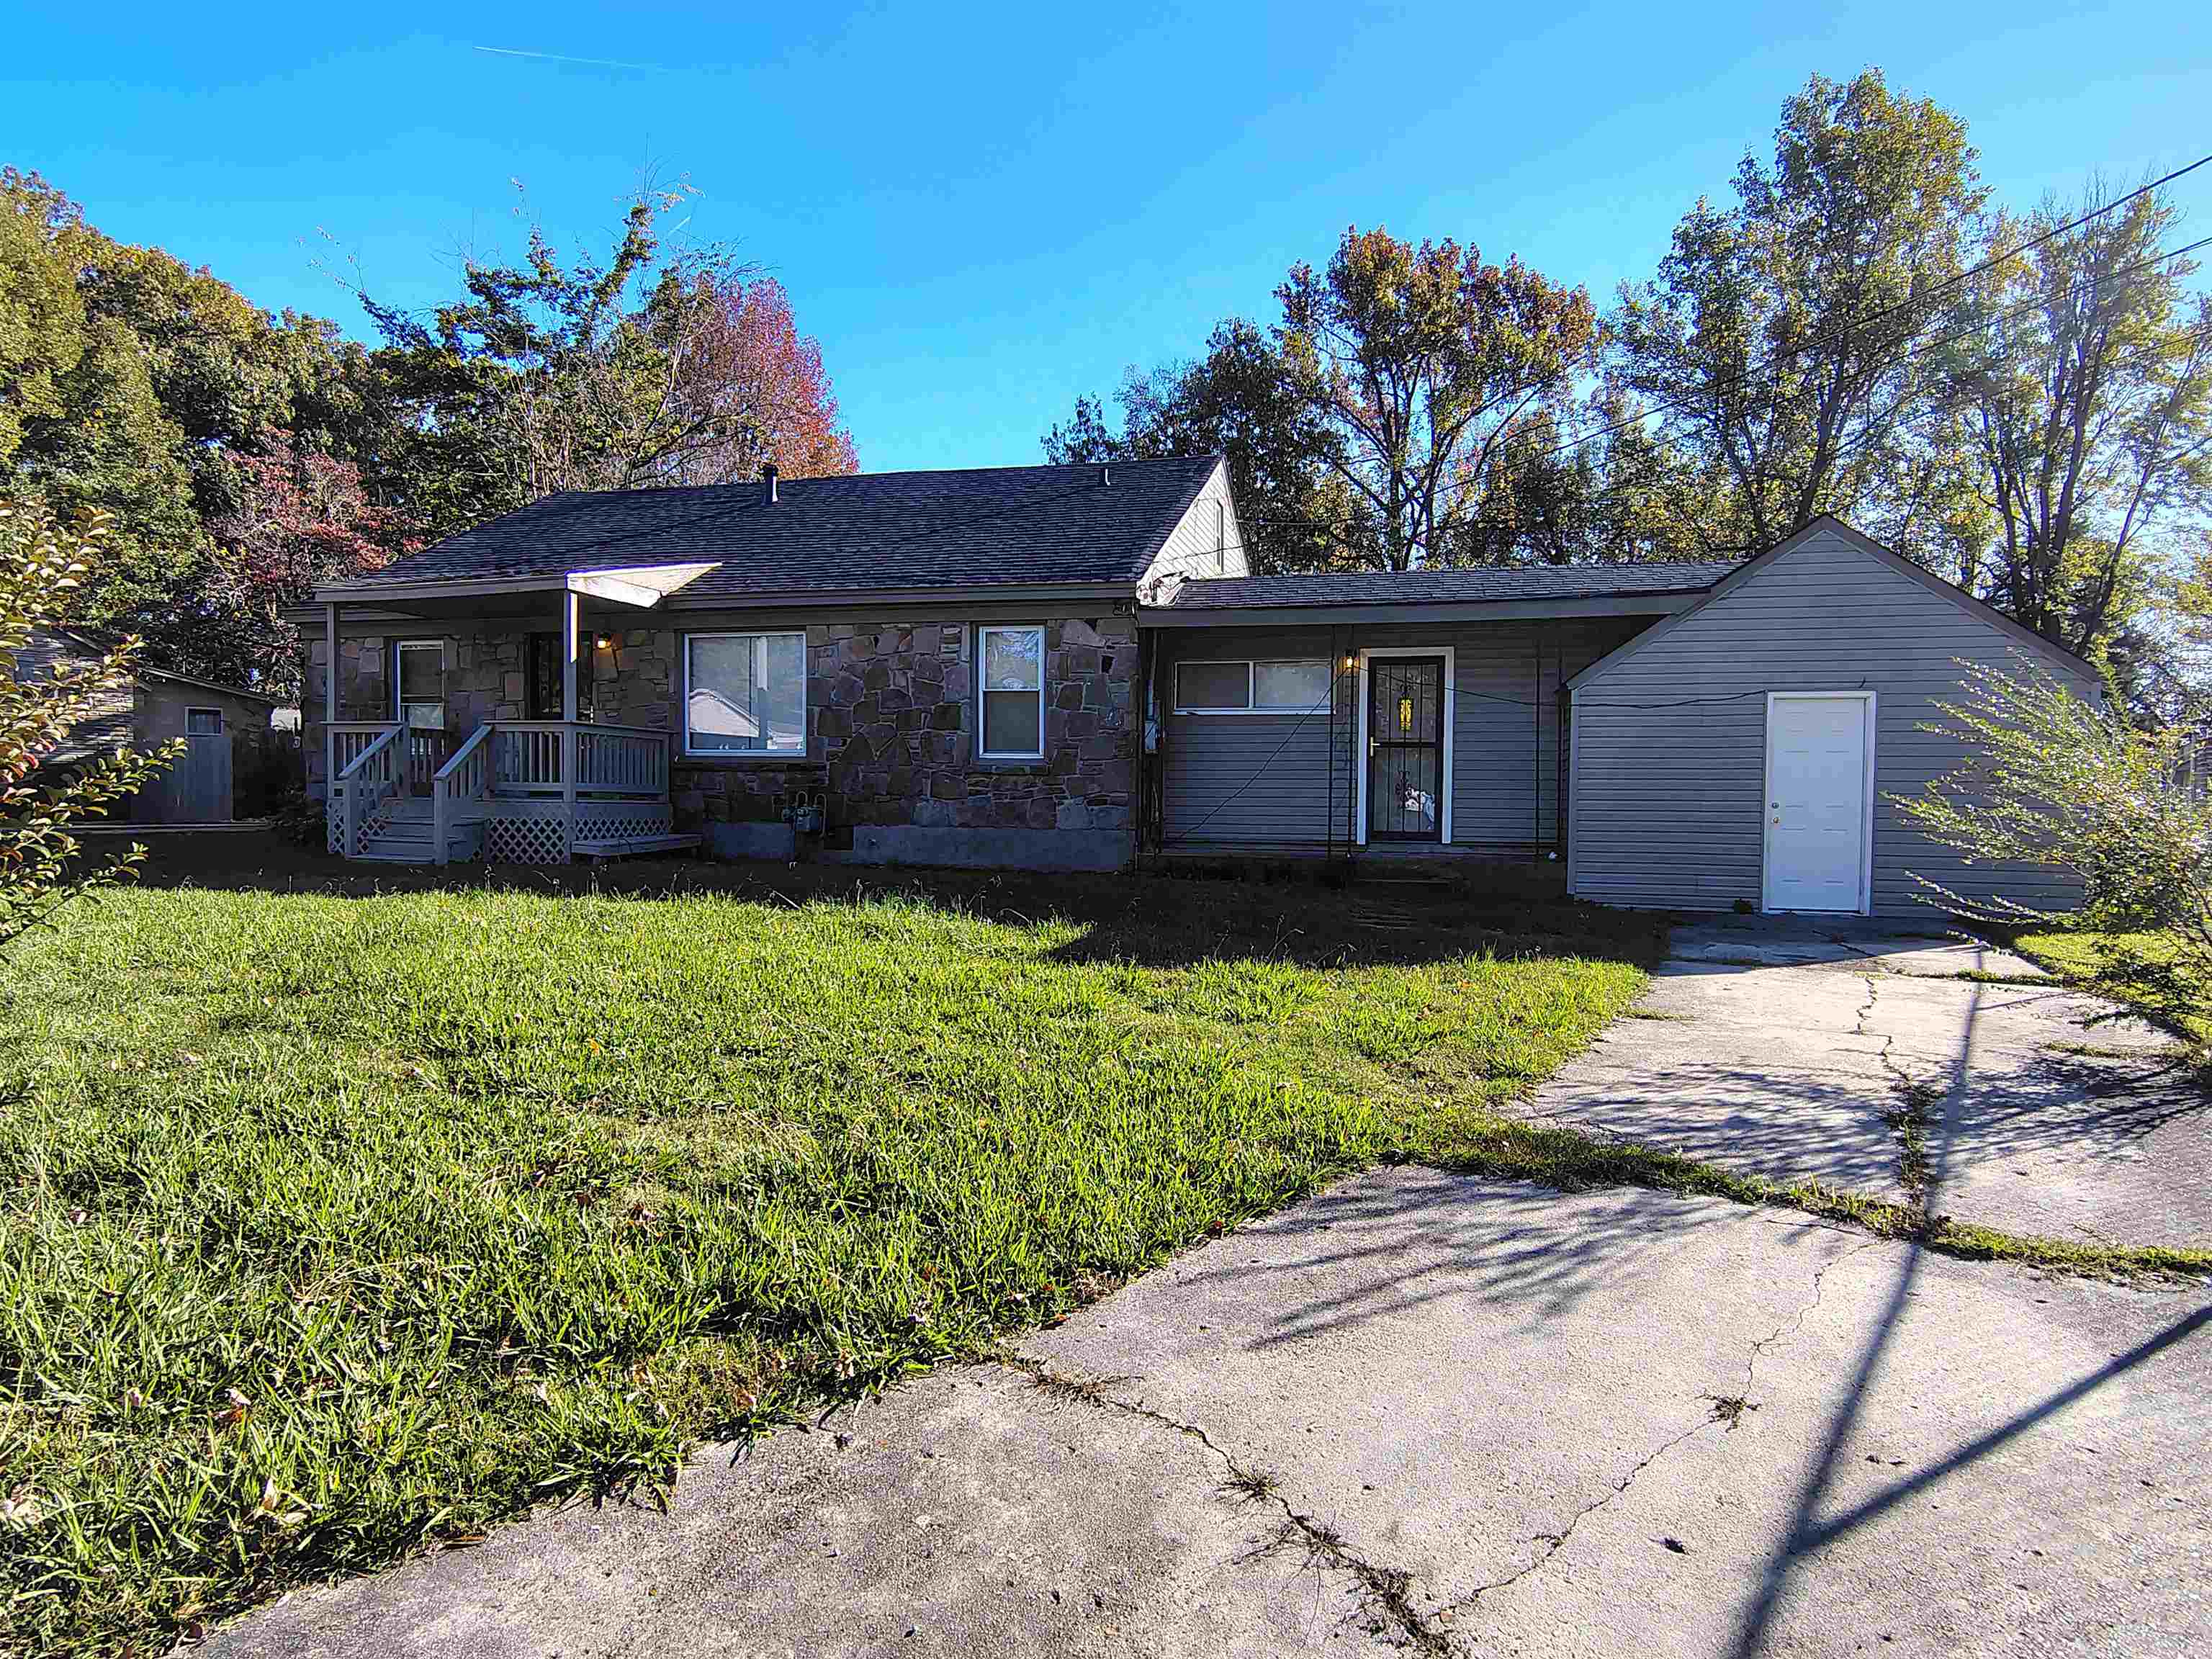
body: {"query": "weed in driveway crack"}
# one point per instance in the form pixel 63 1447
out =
pixel 1387 1591
pixel 1918 1099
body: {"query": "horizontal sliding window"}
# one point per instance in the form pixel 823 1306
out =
pixel 1291 686
pixel 744 694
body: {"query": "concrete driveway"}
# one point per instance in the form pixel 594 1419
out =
pixel 1427 1412
pixel 1432 1412
pixel 1799 1049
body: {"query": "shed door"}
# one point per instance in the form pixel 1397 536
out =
pixel 1819 754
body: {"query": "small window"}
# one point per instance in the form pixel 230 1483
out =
pixel 744 694
pixel 1291 687
pixel 204 722
pixel 1213 687
pixel 1295 686
pixel 1220 536
pixel 418 682
pixel 1012 691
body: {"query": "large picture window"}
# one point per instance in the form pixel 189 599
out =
pixel 1013 692
pixel 1289 686
pixel 744 694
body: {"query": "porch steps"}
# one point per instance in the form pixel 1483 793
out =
pixel 402 834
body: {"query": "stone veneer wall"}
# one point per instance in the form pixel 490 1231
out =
pixel 891 731
pixel 892 721
pixel 483 681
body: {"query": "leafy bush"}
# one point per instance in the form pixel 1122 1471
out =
pixel 41 565
pixel 2059 782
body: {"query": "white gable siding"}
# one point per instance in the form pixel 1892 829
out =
pixel 1667 800
pixel 1194 547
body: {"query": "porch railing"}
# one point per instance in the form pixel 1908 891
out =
pixel 427 747
pixel 344 741
pixel 371 762
pixel 570 758
pixel 371 776
pixel 461 791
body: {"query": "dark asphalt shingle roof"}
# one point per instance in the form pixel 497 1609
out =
pixel 977 528
pixel 1481 585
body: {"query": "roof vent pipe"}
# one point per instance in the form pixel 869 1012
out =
pixel 768 484
pixel 1106 475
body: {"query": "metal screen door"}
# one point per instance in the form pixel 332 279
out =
pixel 1404 748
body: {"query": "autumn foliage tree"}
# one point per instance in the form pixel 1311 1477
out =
pixel 302 520
pixel 746 374
pixel 1422 362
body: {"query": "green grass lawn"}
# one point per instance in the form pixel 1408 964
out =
pixel 2135 969
pixel 331 1225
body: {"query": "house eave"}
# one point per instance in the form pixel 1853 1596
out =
pixel 1261 616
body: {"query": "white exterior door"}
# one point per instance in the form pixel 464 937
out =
pixel 1820 780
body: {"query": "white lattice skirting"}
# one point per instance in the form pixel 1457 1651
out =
pixel 334 826
pixel 530 832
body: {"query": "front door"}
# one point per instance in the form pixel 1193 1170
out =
pixel 1404 748
pixel 1818 755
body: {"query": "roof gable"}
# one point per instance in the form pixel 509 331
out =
pixel 2054 656
pixel 1000 527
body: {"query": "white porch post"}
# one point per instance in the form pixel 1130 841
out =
pixel 571 614
pixel 330 700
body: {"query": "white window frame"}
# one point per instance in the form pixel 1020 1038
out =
pixel 983 631
pixel 1251 665
pixel 805 709
pixel 221 724
pixel 1444 762
pixel 1766 796
pixel 399 699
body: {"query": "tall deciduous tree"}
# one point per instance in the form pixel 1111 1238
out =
pixel 646 369
pixel 302 520
pixel 1421 363
pixel 2084 380
pixel 745 371
pixel 1237 399
pixel 1783 342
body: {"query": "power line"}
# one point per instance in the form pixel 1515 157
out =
pixel 1968 326
pixel 1774 359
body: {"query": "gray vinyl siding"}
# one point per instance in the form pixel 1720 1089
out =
pixel 108 724
pixel 1283 782
pixel 1666 803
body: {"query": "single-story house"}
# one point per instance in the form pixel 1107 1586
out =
pixel 1073 667
pixel 229 747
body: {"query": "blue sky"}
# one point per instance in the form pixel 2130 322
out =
pixel 983 213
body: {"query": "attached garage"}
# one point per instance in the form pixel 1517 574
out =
pixel 1747 749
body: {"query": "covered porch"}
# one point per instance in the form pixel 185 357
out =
pixel 519 773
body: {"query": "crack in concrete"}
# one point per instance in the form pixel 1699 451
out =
pixel 1387 1590
pixel 1722 1410
pixel 1908 1120
pixel 1783 1332
pixel 1553 1542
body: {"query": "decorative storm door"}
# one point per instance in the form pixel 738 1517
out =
pixel 1404 748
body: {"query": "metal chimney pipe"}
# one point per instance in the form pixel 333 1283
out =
pixel 1106 475
pixel 768 484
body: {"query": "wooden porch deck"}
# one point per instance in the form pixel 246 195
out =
pixel 525 792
